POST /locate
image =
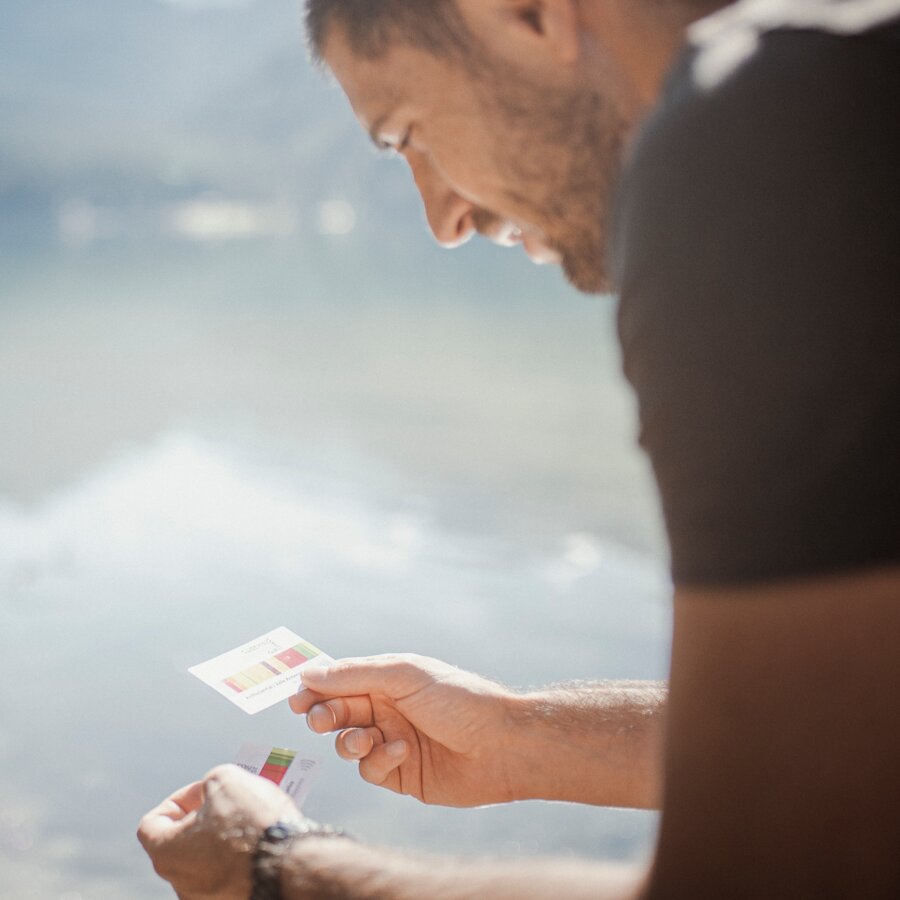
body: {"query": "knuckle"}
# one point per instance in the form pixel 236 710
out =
pixel 413 668
pixel 340 667
pixel 219 774
pixel 392 660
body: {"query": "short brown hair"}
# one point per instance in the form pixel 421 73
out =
pixel 371 26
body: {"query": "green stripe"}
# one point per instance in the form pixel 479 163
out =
pixel 281 757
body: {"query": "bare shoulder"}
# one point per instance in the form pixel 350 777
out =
pixel 783 740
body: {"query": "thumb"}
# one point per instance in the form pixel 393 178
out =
pixel 171 817
pixel 395 676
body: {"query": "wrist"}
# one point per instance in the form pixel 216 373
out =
pixel 529 750
pixel 275 846
pixel 318 867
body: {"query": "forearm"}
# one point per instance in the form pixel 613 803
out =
pixel 590 743
pixel 343 870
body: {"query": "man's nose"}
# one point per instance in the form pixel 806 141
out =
pixel 450 217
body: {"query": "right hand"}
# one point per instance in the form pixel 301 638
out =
pixel 417 726
pixel 202 839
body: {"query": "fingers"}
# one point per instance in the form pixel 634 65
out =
pixel 379 762
pixel 224 774
pixel 394 676
pixel 303 700
pixel 325 715
pixel 190 798
pixel 340 713
pixel 380 766
pixel 172 816
pixel 356 743
pixel 229 789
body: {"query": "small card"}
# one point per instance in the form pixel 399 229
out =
pixel 293 773
pixel 260 673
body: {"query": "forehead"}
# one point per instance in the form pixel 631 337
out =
pixel 403 76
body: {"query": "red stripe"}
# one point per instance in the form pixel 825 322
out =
pixel 275 774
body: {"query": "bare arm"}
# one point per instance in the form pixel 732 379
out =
pixel 781 776
pixel 339 870
pixel 203 838
pixel 781 773
pixel 420 727
pixel 592 743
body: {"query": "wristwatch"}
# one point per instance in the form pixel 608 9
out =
pixel 274 843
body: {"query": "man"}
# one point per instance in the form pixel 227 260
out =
pixel 755 246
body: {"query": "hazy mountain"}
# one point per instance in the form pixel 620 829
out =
pixel 146 122
pixel 128 102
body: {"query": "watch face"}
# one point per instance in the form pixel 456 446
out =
pixel 279 832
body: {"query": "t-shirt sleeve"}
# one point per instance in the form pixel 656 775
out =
pixel 757 254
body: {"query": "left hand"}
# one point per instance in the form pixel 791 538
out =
pixel 422 727
pixel 202 838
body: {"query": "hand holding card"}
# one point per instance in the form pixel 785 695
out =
pixel 292 772
pixel 261 672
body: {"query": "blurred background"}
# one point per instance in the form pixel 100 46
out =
pixel 240 388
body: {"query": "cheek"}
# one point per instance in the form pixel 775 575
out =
pixel 478 166
pixel 462 158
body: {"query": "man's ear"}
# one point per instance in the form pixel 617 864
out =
pixel 527 31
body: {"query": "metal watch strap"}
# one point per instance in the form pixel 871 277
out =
pixel 273 843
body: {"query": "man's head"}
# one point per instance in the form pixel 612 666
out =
pixel 371 26
pixel 512 118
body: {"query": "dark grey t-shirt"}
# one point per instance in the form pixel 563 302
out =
pixel 756 248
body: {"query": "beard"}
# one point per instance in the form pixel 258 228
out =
pixel 560 151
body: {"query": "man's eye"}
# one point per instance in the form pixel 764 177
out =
pixel 404 142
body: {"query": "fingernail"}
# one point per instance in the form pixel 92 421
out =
pixel 351 742
pixel 321 718
pixel 396 749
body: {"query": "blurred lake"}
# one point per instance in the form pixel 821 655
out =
pixel 239 388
